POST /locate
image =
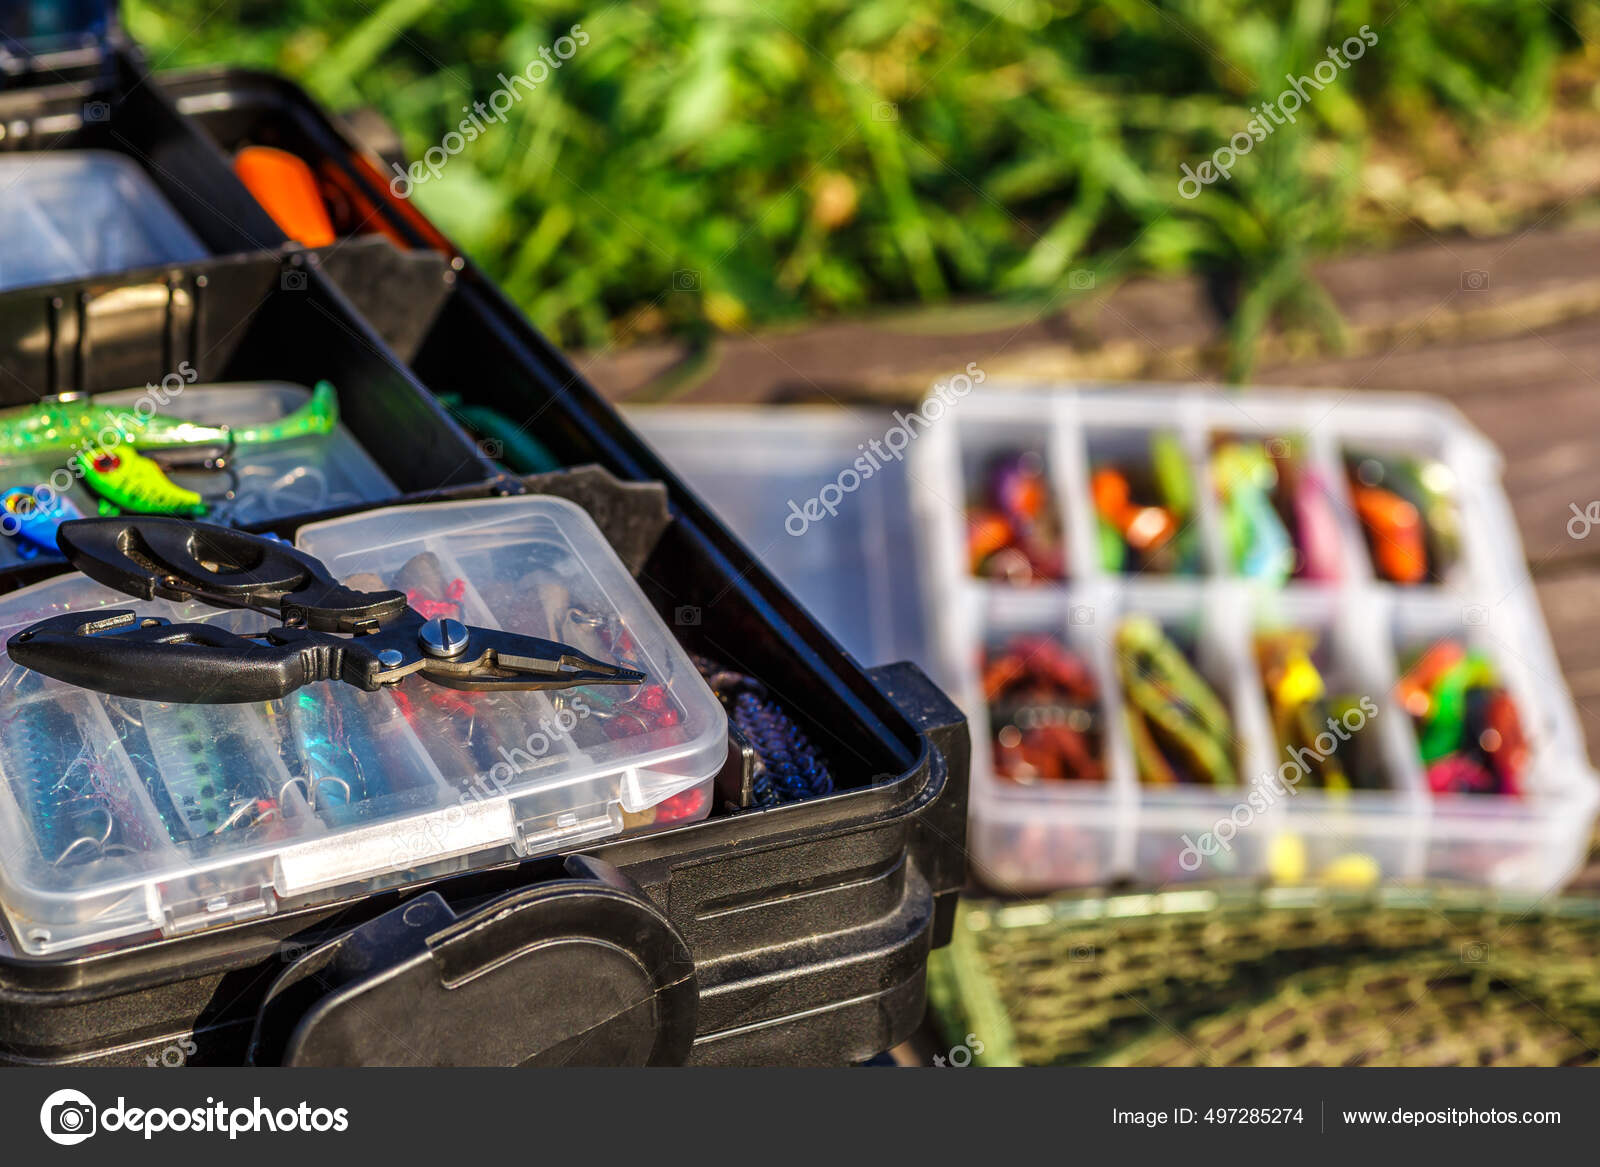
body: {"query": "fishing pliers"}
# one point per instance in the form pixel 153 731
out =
pixel 328 632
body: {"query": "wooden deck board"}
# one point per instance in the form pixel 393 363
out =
pixel 1393 304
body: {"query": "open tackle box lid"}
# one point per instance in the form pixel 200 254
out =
pixel 124 821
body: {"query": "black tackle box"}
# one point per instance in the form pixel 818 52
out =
pixel 795 933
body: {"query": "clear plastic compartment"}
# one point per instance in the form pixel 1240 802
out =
pixel 261 481
pixel 1523 840
pixel 316 472
pixel 1307 498
pixel 1030 838
pixel 128 819
pixel 1370 455
pixel 1177 545
pixel 1179 833
pixel 73 213
pixel 1040 834
pixel 1007 468
pixel 1375 828
pixel 853 566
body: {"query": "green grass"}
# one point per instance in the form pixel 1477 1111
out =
pixel 804 159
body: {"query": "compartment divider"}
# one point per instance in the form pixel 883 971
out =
pixel 1326 455
pixel 1122 778
pixel 1069 481
pixel 1195 435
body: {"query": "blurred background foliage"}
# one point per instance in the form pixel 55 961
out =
pixel 708 165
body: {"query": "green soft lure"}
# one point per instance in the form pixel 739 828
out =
pixel 1171 468
pixel 1113 551
pixel 129 481
pixel 1441 732
pixel 317 416
pixel 86 425
pixel 1177 704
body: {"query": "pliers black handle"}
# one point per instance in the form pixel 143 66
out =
pixel 177 559
pixel 329 632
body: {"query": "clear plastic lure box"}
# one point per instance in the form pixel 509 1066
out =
pixel 1049 834
pixel 123 820
pixel 314 472
pixel 78 213
pixel 270 480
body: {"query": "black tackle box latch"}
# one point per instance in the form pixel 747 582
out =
pixel 578 971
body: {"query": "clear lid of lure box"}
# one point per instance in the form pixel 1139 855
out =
pixel 72 213
pixel 313 472
pixel 124 821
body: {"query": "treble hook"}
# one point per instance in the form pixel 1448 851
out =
pixel 239 812
pixel 95 845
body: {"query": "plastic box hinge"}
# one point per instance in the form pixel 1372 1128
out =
pixel 939 840
pixel 584 970
pixel 190 915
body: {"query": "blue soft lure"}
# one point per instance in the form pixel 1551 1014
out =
pixel 1268 552
pixel 32 521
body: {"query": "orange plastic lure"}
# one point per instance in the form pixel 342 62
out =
pixel 1146 528
pixel 287 190
pixel 1399 547
pixel 1415 688
pixel 988 532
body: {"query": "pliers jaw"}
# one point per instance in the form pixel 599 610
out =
pixel 493 660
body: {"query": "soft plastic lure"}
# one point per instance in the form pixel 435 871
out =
pixel 1014 528
pixel 32 521
pixel 1147 529
pixel 1143 508
pixel 1043 711
pixel 37 730
pixel 1297 698
pixel 287 190
pixel 1408 513
pixel 790 767
pixel 70 821
pixel 1468 732
pixel 1183 713
pixel 128 481
pixel 86 425
pixel 1394 532
pixel 1258 541
pixel 1446 720
pixel 204 773
pixel 1317 528
pixel 342 756
pixel 1171 470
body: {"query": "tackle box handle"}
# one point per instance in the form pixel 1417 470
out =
pixel 578 971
